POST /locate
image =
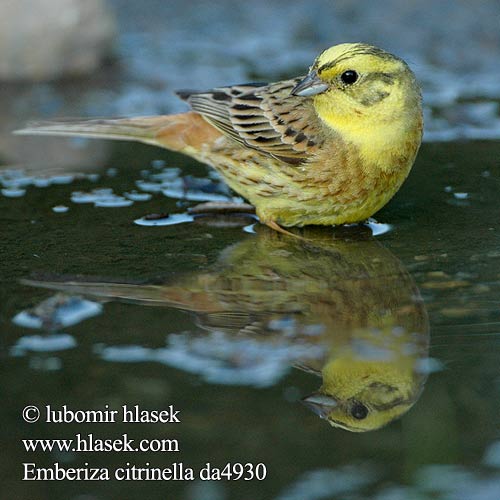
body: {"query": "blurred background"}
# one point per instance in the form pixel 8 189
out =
pixel 120 57
pixel 438 239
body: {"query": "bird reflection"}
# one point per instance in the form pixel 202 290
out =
pixel 347 308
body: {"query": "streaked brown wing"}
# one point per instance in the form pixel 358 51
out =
pixel 263 117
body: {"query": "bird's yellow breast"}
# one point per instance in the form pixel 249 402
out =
pixel 386 135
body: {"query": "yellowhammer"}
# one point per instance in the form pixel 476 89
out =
pixel 329 148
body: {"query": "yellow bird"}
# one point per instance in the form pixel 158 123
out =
pixel 329 148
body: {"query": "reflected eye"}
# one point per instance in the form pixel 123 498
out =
pixel 349 76
pixel 359 411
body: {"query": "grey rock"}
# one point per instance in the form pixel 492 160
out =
pixel 51 39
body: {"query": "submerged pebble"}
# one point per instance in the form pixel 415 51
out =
pixel 57 311
pixel 41 182
pixel 101 197
pixel 170 220
pixel 62 179
pixel 194 195
pixel 60 209
pixel 113 202
pixel 135 196
pixel 152 187
pixel 13 192
pixel 44 343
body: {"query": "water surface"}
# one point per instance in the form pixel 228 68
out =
pixel 236 328
pixel 113 293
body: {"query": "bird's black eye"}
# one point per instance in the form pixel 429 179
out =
pixel 349 77
pixel 359 411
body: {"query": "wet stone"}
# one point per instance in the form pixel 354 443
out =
pixel 76 36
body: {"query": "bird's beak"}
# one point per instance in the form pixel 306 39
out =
pixel 321 404
pixel 310 85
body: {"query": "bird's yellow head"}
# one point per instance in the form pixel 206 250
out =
pixel 361 395
pixel 369 96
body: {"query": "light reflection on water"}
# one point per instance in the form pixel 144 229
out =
pixel 340 307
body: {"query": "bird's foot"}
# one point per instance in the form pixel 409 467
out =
pixel 230 208
pixel 276 227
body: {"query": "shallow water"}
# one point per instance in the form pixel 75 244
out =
pixel 112 292
pixel 234 329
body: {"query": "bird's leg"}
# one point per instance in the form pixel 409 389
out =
pixel 276 227
pixel 228 208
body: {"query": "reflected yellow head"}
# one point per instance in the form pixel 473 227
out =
pixel 362 395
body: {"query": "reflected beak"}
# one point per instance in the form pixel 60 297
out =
pixel 321 404
pixel 310 85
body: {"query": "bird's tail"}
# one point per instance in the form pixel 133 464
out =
pixel 148 295
pixel 174 132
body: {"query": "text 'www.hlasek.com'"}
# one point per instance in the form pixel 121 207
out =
pixel 130 470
